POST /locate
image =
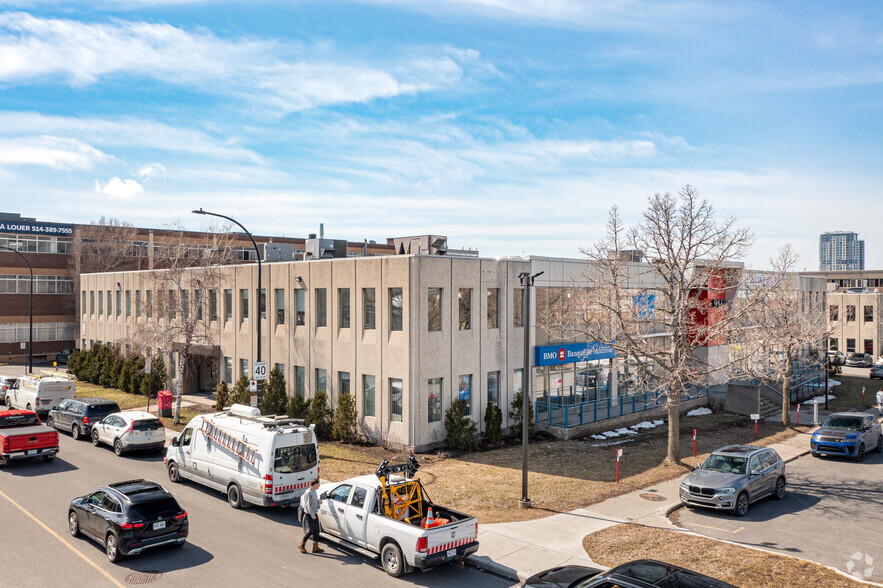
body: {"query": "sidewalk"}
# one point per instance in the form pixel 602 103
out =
pixel 520 550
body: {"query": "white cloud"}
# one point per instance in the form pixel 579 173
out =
pixel 49 151
pixel 150 171
pixel 119 188
pixel 287 78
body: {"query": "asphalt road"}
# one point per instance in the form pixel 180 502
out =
pixel 832 514
pixel 226 547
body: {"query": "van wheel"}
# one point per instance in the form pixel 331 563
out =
pixel 234 496
pixel 75 433
pixel 174 476
pixel 118 447
pixel 28 406
pixel 741 508
pixel 392 560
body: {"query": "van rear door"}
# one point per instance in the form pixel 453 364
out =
pixel 295 463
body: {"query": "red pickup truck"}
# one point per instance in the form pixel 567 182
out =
pixel 22 435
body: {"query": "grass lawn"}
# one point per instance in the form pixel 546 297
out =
pixel 136 401
pixel 564 475
pixel 848 395
pixel 740 566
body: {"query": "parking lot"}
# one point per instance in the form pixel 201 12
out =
pixel 832 514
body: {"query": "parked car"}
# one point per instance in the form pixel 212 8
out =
pixel 859 360
pixel 77 415
pixel 129 517
pixel 6 382
pixel 733 477
pixel 836 357
pixel 876 371
pixel 40 393
pixel 847 433
pixel 642 573
pixel 274 468
pixel 129 430
pixel 63 356
pixel 22 435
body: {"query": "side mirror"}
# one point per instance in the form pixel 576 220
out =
pixel 754 473
pixel 323 496
pixel 174 442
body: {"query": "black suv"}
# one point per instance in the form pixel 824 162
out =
pixel 129 517
pixel 77 415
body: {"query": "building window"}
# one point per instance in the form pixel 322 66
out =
pixel 343 383
pixel 464 298
pixel 128 303
pixel 280 306
pixel 465 392
pixel 850 313
pixel 368 394
pixel 434 304
pixel 138 304
pixel 869 346
pixel 173 364
pixel 83 303
pixel 300 383
pixel 869 314
pixel 369 308
pixel 833 344
pixel 280 367
pixel 185 304
pixel 150 304
pixel 320 381
pixel 262 300
pixel 343 307
pixel 396 393
pixel 171 306
pixel 850 346
pixel 92 301
pixel 321 310
pixel 243 367
pixel 243 306
pixel 395 309
pixel 228 305
pixel 197 304
pixel 493 310
pixel 517 307
pixel 212 305
pixel 300 306
pixel 517 376
pixel 228 370
pixel 493 387
pixel 119 305
pixel 435 396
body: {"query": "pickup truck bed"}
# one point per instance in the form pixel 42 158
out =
pixel 23 436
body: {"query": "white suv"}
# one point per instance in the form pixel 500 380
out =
pixel 128 430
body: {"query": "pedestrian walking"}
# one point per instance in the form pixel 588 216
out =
pixel 309 505
pixel 880 402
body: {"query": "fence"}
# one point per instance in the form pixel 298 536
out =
pixel 568 411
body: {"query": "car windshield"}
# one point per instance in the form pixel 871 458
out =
pixel 18 420
pixel 725 463
pixel 856 355
pixel 296 458
pixel 161 508
pixel 842 422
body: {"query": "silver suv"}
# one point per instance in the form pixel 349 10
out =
pixel 733 477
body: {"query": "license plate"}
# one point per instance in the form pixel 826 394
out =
pixel 452 553
pixel 159 525
pixel 30 452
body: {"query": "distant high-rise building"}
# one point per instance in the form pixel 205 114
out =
pixel 841 251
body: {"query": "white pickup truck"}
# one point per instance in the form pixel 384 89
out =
pixel 386 516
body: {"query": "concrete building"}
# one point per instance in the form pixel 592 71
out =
pixel 854 320
pixel 841 250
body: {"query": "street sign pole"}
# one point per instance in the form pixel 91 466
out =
pixel 618 455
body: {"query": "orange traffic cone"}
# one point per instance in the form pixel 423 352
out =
pixel 430 519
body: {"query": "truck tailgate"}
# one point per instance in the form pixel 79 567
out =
pixel 452 535
pixel 36 437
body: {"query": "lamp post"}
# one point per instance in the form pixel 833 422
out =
pixel 30 310
pixel 258 254
pixel 527 281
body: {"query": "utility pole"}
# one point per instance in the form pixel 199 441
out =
pixel 527 281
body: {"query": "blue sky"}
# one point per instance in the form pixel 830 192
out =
pixel 511 126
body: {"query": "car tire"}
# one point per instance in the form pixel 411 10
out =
pixel 879 447
pixel 75 432
pixel 112 548
pixel 741 508
pixel 50 422
pixel 814 454
pixel 174 476
pixel 392 560
pixel 95 440
pixel 48 457
pixel 780 489
pixel 860 454
pixel 234 496
pixel 118 447
pixel 73 524
pixel 28 406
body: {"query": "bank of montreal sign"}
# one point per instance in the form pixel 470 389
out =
pixel 571 353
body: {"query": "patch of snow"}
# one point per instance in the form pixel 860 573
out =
pixel 819 399
pixel 832 383
pixel 600 437
pixel 610 444
pixel 699 411
pixel 647 425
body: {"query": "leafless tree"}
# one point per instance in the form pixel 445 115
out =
pixel 786 325
pixel 661 291
pixel 103 246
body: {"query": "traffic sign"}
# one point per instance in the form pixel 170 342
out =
pixel 755 417
pixel 618 453
pixel 254 400
pixel 260 370
pixel 252 386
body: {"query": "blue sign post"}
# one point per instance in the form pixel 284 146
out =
pixel 571 353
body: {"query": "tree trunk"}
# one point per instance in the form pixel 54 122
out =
pixel 786 389
pixel 674 427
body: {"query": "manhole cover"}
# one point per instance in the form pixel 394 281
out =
pixel 653 497
pixel 143 577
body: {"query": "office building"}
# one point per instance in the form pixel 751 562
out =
pixel 840 251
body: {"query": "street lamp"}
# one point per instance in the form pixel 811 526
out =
pixel 258 253
pixel 527 281
pixel 31 310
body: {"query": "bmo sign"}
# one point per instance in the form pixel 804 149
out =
pixel 571 353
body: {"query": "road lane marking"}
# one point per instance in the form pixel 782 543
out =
pixel 81 555
pixel 715 528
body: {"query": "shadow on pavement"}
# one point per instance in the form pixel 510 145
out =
pixel 32 468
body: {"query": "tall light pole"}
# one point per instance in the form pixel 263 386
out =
pixel 31 309
pixel 527 281
pixel 258 254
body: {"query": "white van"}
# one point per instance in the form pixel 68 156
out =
pixel 40 393
pixel 254 459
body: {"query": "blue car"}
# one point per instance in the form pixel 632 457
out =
pixel 848 434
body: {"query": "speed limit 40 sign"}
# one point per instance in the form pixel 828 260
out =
pixel 260 370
